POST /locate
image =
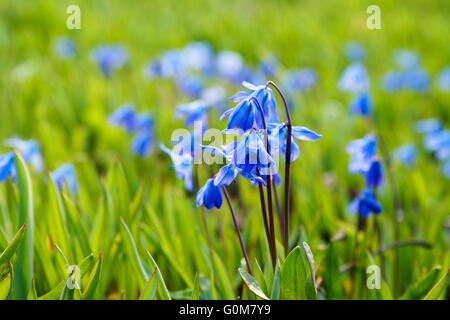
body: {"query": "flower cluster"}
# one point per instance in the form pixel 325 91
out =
pixel 436 140
pixel 141 124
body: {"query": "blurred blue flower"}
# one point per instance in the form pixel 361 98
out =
pixel 300 80
pixel 361 153
pixel 354 79
pixel 444 79
pixel 7 168
pixel 246 115
pixel 215 96
pixel 65 174
pixel 269 66
pixel 190 85
pixel 109 58
pixel 182 164
pixel 193 111
pixel 209 195
pixel 30 151
pixel 365 204
pixel 374 176
pixel 144 121
pixel 427 126
pixel 406 59
pixel 199 56
pixel 361 105
pixel 446 169
pixel 355 51
pixel 124 116
pixel 278 137
pixel 406 154
pixel 231 67
pixel 65 47
pixel 436 141
pixel 142 143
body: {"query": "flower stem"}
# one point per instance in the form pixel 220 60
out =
pixel 287 172
pixel 236 226
pixel 280 214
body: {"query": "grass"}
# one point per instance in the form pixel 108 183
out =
pixel 127 205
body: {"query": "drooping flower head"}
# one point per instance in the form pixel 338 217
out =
pixel 30 151
pixel 374 176
pixel 365 204
pixel 7 168
pixel 361 105
pixel 65 174
pixel 109 58
pixel 193 111
pixel 361 153
pixel 209 196
pixel 354 79
pixel 124 116
pixel 182 164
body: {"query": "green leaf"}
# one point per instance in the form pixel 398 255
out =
pixel 6 281
pixel 252 284
pixel 24 263
pixel 132 252
pixel 296 278
pixel 149 290
pixel 196 289
pixel 32 294
pixel 420 289
pixel 276 284
pixel 93 280
pixel 259 276
pixel 331 275
pixel 9 251
pixel 223 282
pixel 162 288
pixel 438 291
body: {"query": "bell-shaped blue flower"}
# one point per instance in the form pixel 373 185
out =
pixel 30 151
pixel 109 58
pixel 374 176
pixel 405 154
pixel 193 111
pixel 65 174
pixel 124 116
pixel 7 167
pixel 209 195
pixel 361 105
pixel 182 164
pixel 142 143
pixel 361 153
pixel 354 79
pixel 365 204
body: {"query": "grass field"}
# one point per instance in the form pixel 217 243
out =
pixel 130 213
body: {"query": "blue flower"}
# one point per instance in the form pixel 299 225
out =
pixel 446 169
pixel 124 116
pixel 427 126
pixel 365 204
pixel 144 121
pixel 30 151
pixel 300 80
pixel 190 85
pixel 65 174
pixel 183 166
pixel 354 79
pixel 408 79
pixel 246 115
pixel 209 196
pixel 216 97
pixel 406 59
pixel 7 168
pixel 193 111
pixel 374 176
pixel 436 141
pixel 65 48
pixel 444 79
pixel 142 143
pixel 361 105
pixel 269 66
pixel 361 153
pixel 231 67
pixel 109 58
pixel 406 154
pixel 278 138
pixel 199 56
pixel 355 51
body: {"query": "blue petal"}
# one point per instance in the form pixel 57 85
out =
pixel 303 133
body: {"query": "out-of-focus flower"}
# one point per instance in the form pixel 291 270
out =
pixel 444 79
pixel 30 151
pixel 124 116
pixel 446 169
pixel 109 58
pixel 406 59
pixel 142 143
pixel 435 141
pixel 182 164
pixel 354 79
pixel 365 204
pixel 190 85
pixel 374 176
pixel 209 196
pixel 361 105
pixel 193 111
pixel 231 67
pixel 406 154
pixel 427 126
pixel 65 47
pixel 361 153
pixel 246 115
pixel 355 51
pixel 7 168
pixel 144 121
pixel 278 137
pixel 215 96
pixel 65 174
pixel 198 56
pixel 300 80
pixel 269 66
